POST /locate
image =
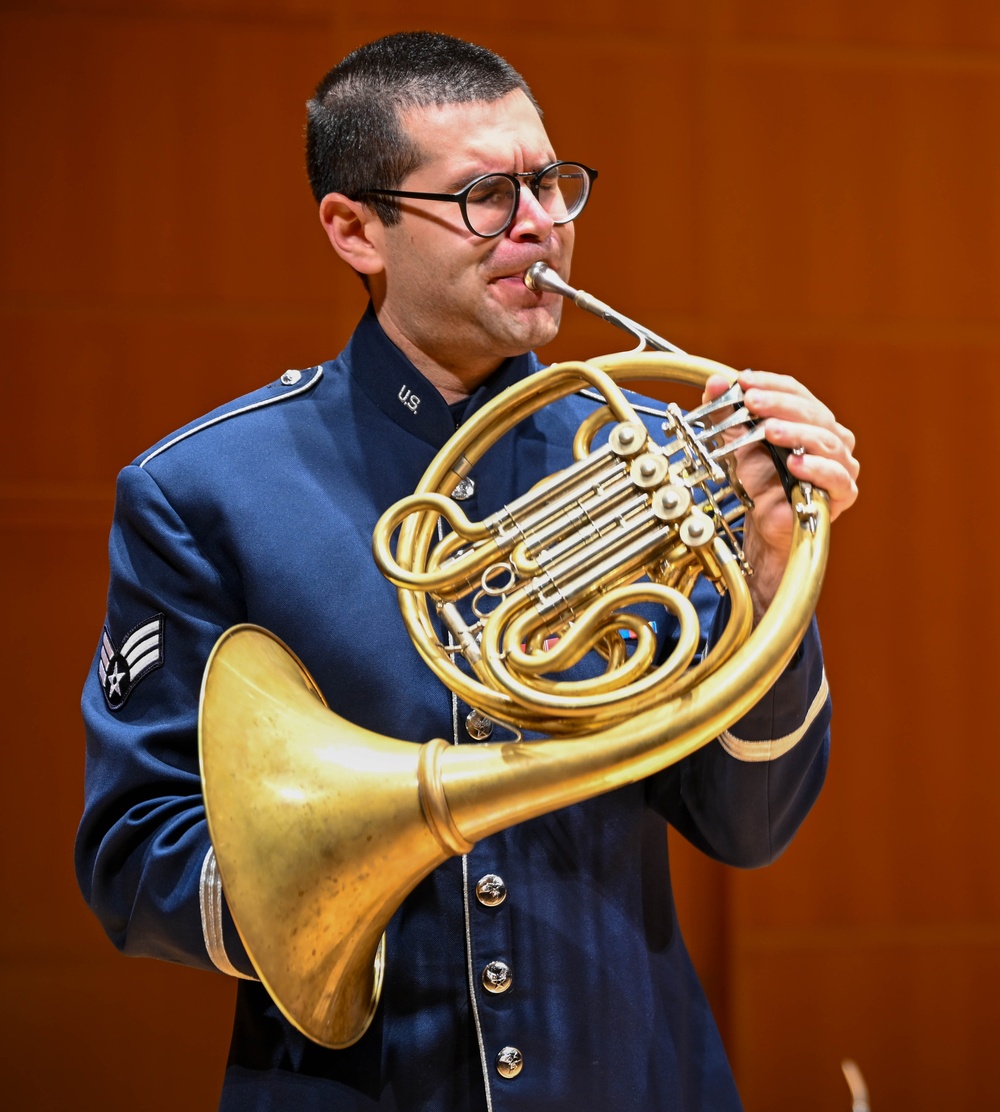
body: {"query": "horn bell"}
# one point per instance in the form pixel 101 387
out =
pixel 304 810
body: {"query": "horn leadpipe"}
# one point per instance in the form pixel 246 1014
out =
pixel 540 276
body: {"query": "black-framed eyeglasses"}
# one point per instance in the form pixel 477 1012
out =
pixel 489 204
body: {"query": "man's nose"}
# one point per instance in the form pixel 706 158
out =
pixel 531 221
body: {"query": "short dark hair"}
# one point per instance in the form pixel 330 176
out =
pixel 354 138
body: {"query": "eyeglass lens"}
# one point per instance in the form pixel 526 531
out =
pixel 562 191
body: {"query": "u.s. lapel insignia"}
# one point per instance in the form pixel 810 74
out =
pixel 121 669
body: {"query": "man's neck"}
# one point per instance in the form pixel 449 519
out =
pixel 454 383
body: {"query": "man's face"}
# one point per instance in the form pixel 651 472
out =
pixel 447 294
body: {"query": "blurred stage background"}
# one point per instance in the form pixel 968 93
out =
pixel 812 188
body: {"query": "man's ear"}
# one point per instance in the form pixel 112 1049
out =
pixel 355 232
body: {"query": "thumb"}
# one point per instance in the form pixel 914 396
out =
pixel 716 385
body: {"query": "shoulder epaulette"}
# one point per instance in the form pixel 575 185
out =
pixel 300 380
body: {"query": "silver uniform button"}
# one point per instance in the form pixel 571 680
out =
pixel 464 489
pixel 491 890
pixel 510 1062
pixel 479 726
pixel 497 977
pixel 289 378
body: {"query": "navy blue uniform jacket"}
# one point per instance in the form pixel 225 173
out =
pixel 263 512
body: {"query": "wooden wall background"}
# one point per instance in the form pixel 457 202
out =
pixel 807 187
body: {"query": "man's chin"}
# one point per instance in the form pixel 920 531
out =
pixel 536 326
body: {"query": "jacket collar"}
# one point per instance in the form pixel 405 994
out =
pixel 405 396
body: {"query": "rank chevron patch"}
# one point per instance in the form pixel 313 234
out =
pixel 121 669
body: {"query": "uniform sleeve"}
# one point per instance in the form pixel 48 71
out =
pixel 143 857
pixel 742 797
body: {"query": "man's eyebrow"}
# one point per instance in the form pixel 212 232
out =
pixel 460 181
pixel 466 177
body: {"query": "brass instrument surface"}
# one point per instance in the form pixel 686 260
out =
pixel 322 828
pixel 424 581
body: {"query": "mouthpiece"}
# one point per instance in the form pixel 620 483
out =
pixel 541 278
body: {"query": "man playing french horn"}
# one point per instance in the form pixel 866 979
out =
pixel 532 958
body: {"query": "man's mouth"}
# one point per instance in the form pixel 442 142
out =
pixel 517 291
pixel 517 275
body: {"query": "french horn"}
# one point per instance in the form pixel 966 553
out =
pixel 321 828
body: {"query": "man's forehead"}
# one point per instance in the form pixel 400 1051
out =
pixel 472 134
